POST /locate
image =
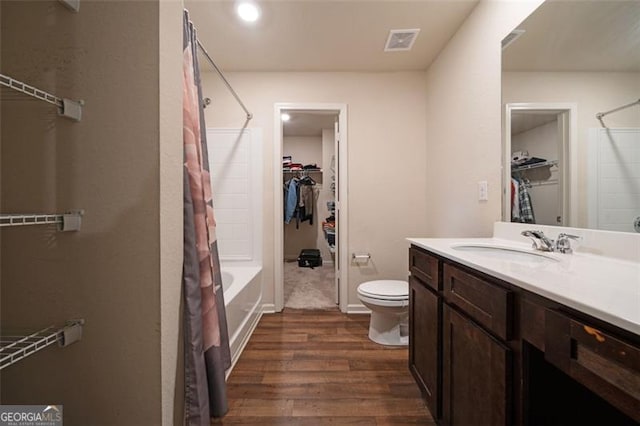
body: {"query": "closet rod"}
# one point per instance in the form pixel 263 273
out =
pixel 15 348
pixel 69 221
pixel 233 92
pixel 601 115
pixel 542 183
pixel 66 107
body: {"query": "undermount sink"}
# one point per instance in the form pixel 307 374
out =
pixel 500 252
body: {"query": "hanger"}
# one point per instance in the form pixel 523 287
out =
pixel 307 180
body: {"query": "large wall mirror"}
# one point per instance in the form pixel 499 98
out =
pixel 571 123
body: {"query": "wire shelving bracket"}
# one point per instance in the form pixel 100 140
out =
pixel 73 5
pixel 14 348
pixel 66 107
pixel 70 221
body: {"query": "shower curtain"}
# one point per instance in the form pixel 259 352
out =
pixel 207 353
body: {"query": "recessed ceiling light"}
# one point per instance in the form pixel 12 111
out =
pixel 285 117
pixel 248 11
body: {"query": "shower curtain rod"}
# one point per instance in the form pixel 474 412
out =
pixel 600 115
pixel 233 92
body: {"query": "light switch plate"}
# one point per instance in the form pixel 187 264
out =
pixel 483 190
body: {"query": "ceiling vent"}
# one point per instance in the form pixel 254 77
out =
pixel 513 35
pixel 401 40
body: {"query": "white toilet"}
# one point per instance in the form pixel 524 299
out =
pixel 389 304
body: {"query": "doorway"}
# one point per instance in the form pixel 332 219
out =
pixel 315 135
pixel 539 164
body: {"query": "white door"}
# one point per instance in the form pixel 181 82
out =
pixel 336 197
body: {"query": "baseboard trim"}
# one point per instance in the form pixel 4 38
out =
pixel 357 308
pixel 268 308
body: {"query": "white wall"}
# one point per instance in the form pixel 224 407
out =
pixel 463 122
pixel 386 133
pixel 593 92
pixel 303 149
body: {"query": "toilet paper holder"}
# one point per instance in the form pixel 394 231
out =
pixel 357 257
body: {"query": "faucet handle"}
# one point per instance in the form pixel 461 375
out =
pixel 534 238
pixel 563 243
pixel 540 241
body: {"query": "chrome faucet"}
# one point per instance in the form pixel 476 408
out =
pixel 563 243
pixel 540 241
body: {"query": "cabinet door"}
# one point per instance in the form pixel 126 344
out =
pixel 425 313
pixel 476 374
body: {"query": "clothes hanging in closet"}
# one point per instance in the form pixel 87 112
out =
pixel 290 199
pixel 521 205
pixel 299 200
pixel 306 203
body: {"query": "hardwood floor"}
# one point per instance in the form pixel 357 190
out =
pixel 320 368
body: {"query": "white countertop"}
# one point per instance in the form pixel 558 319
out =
pixel 603 287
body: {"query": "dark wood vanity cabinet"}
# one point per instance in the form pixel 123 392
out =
pixel 485 352
pixel 425 317
pixel 596 359
pixel 476 374
pixel 424 360
pixel 476 369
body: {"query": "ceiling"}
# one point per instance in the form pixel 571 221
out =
pixel 523 121
pixel 308 123
pixel 326 35
pixel 578 36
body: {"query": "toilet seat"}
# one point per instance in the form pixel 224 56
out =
pixel 385 290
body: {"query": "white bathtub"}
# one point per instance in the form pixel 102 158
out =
pixel 242 287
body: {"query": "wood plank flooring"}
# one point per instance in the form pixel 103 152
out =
pixel 320 368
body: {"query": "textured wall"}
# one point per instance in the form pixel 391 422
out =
pixel 463 122
pixel 108 164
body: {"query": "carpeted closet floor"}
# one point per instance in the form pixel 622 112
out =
pixel 306 288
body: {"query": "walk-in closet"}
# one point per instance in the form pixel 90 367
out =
pixel 536 164
pixel 309 184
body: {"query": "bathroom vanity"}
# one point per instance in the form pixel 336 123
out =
pixel 502 336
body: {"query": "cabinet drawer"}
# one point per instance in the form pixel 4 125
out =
pixel 488 304
pixel 605 364
pixel 425 268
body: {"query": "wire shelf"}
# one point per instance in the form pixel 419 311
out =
pixel 69 221
pixel 14 348
pixel 551 163
pixel 66 107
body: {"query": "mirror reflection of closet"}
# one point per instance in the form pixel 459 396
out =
pixel 536 151
pixel 309 140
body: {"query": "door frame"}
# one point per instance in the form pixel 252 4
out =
pixel 568 123
pixel 342 260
